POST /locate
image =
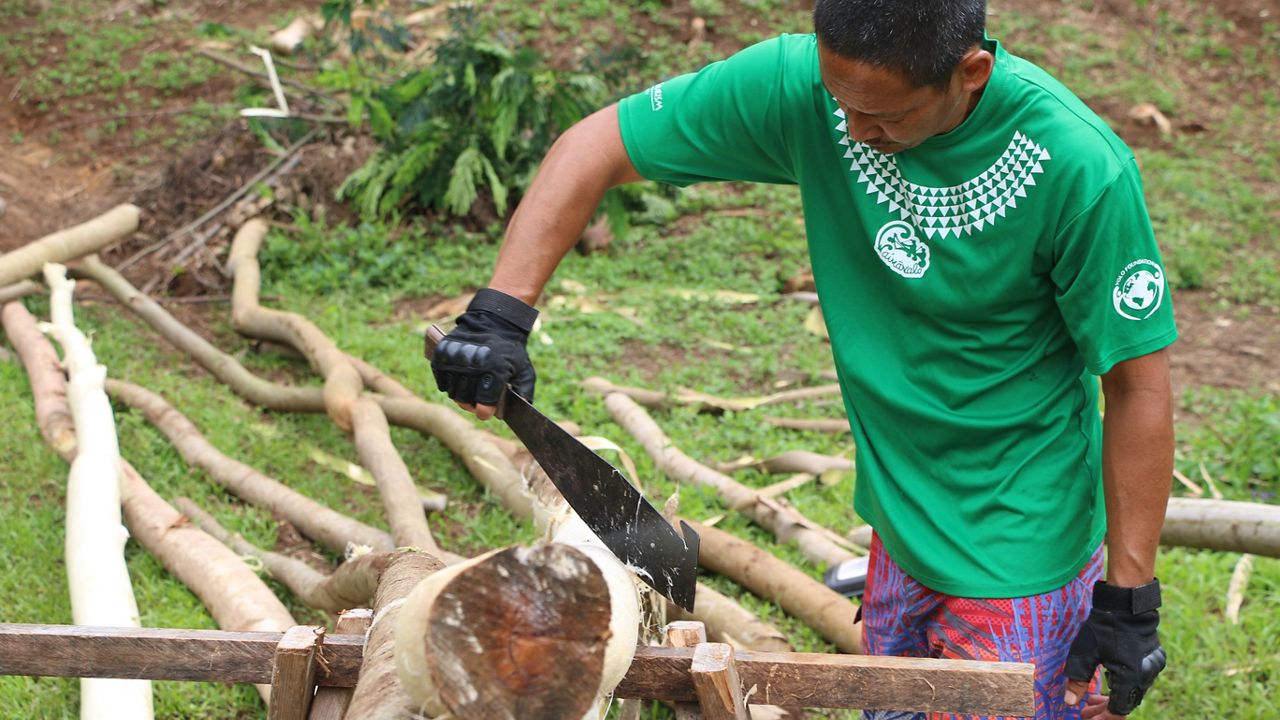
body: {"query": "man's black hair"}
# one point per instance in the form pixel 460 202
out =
pixel 924 40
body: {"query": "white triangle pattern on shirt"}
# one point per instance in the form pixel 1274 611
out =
pixel 971 206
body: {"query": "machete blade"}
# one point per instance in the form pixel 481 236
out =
pixel 610 505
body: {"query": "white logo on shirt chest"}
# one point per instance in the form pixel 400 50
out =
pixel 943 212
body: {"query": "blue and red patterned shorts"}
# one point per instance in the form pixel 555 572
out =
pixel 904 618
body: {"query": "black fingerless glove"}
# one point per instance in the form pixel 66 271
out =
pixel 486 351
pixel 1120 634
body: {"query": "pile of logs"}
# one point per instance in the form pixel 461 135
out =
pixel 550 631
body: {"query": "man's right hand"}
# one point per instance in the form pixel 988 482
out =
pixel 486 352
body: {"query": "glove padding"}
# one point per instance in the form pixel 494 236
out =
pixel 1120 634
pixel 486 352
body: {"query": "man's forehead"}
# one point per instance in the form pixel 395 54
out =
pixel 867 88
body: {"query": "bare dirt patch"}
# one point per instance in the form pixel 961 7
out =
pixel 1231 347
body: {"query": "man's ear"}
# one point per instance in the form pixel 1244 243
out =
pixel 975 69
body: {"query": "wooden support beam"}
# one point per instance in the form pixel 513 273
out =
pixel 163 654
pixel 686 634
pixel 846 681
pixel 715 679
pixel 293 675
pixel 331 702
pixel 657 673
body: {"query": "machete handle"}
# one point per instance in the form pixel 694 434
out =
pixel 432 339
pixel 434 336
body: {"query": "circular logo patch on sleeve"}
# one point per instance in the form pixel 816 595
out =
pixel 1139 290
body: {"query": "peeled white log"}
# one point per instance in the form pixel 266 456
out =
pixel 68 244
pixel 101 593
pixel 1223 525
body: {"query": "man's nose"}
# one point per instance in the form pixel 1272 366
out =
pixel 862 127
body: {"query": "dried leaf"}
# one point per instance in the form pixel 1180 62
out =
pixel 729 297
pixel 597 443
pixel 815 324
pixel 1235 589
pixel 833 477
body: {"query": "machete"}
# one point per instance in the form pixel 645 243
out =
pixel 612 507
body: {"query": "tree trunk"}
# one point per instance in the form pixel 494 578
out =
pixel 97 577
pixel 69 244
pixel 326 526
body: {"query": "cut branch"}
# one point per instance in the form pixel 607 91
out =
pixel 828 612
pixel 794 461
pixel 19 290
pixel 66 245
pixel 351 586
pixel 1241 527
pixel 657 400
pixel 819 545
pixel 813 424
pixel 326 526
pixel 343 388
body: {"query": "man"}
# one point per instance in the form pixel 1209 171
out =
pixel 982 251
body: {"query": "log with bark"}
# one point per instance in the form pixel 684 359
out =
pixel 66 245
pixel 1227 525
pixel 818 544
pixel 485 461
pixel 704 402
pixel 329 528
pixel 828 612
pixel 97 577
pixel 352 585
pixel 236 598
pixel 344 397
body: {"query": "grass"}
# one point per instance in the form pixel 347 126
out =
pixel 1212 198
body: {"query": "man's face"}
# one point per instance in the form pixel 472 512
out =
pixel 884 110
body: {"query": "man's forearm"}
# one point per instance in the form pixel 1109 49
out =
pixel 1137 463
pixel 572 179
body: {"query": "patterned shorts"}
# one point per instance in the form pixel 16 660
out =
pixel 902 617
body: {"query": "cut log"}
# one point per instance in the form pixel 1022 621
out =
pixel 828 612
pixel 97 577
pixel 315 520
pixel 1227 525
pixel 518 634
pixel 19 290
pixel 819 545
pixel 70 244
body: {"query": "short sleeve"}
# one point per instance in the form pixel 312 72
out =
pixel 1111 285
pixel 724 122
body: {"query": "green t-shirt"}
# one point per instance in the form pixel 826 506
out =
pixel 972 287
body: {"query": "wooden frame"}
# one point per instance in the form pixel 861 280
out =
pixel 657 673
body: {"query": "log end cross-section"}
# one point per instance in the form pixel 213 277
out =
pixel 520 633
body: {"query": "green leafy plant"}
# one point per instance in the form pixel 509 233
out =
pixel 471 127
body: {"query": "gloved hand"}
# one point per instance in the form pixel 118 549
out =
pixel 1120 634
pixel 486 351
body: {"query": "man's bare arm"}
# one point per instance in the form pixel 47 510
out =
pixel 1137 463
pixel 582 164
